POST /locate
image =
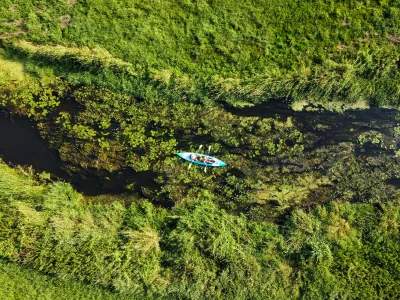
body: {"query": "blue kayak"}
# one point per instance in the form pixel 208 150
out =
pixel 202 159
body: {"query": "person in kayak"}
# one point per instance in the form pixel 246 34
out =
pixel 205 159
pixel 194 157
pixel 208 160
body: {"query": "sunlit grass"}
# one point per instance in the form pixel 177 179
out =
pixel 11 71
pixel 21 282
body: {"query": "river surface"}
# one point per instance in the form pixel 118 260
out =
pixel 330 127
pixel 21 144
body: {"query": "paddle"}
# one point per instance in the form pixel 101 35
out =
pixel 208 154
pixel 197 151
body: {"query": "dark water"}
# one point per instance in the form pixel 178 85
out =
pixel 21 144
pixel 335 127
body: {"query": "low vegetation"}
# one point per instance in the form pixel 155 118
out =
pixel 19 282
pixel 315 51
pixel 196 250
pixel 308 206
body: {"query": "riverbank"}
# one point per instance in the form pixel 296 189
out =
pixel 341 52
pixel 142 251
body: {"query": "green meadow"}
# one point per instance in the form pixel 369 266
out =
pixel 207 51
pixel 20 282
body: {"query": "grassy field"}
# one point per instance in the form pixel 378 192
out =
pixel 18 282
pixel 319 51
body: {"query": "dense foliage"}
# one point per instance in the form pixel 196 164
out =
pixel 197 251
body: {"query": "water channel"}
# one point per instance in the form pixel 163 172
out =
pixel 21 144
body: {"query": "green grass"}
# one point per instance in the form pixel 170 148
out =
pixel 21 282
pixel 319 51
pixel 194 251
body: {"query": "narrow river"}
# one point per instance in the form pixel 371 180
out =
pixel 21 144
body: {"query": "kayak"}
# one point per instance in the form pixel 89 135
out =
pixel 202 159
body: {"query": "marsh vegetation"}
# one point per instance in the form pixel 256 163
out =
pixel 308 206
